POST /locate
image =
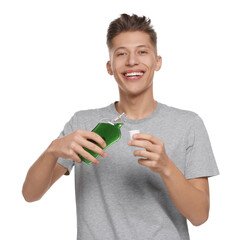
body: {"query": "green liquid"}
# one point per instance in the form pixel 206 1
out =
pixel 109 132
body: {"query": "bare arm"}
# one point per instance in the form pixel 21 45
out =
pixel 41 176
pixel 45 171
pixel 190 197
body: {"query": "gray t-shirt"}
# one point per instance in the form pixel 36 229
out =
pixel 123 200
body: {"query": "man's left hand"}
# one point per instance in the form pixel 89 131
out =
pixel 155 156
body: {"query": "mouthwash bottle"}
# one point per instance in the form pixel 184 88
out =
pixel 109 130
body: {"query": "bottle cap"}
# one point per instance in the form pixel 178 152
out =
pixel 132 132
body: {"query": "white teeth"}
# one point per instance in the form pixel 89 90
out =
pixel 134 74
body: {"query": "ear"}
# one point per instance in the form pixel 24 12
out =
pixel 159 63
pixel 108 66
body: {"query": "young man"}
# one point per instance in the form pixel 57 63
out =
pixel 145 188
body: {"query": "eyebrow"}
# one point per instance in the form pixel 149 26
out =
pixel 139 46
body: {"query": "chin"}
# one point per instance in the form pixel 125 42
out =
pixel 132 93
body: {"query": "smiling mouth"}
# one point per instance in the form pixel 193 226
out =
pixel 133 75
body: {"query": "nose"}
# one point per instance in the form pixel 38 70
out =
pixel 132 60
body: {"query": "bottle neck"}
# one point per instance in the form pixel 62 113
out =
pixel 119 120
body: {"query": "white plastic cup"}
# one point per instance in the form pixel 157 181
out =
pixel 132 132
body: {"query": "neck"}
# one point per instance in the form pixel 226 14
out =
pixel 136 107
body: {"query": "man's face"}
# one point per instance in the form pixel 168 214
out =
pixel 133 61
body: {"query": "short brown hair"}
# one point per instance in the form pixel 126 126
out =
pixel 130 23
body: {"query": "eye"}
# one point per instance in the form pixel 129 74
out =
pixel 142 52
pixel 121 54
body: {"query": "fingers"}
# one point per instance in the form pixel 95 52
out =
pixel 93 147
pixel 79 150
pixel 76 158
pixel 146 154
pixel 93 136
pixel 143 144
pixel 74 143
pixel 90 144
pixel 90 140
pixel 146 162
pixel 149 137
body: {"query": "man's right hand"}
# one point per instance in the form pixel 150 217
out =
pixel 72 144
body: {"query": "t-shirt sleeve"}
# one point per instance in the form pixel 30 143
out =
pixel 68 128
pixel 200 161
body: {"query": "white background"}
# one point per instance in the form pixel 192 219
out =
pixel 52 63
